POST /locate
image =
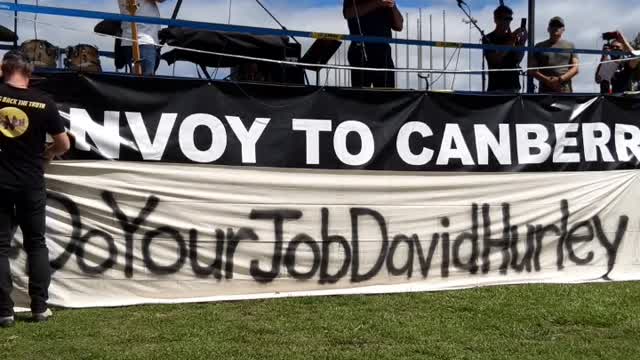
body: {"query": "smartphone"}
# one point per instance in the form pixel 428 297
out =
pixel 523 23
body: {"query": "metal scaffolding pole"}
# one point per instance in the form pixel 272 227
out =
pixel 532 40
pixel 431 39
pixel 396 58
pixel 407 60
pixel 419 47
pixel 345 61
pixel 444 48
pixel 339 55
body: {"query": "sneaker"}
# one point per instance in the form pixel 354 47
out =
pixel 42 317
pixel 7 321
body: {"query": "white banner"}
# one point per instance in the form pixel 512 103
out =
pixel 124 233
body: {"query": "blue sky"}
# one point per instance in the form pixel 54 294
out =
pixel 586 20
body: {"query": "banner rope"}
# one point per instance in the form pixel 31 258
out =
pixel 332 66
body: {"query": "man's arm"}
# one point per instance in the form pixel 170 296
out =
pixel 495 58
pixel 597 77
pixel 61 145
pixel 540 76
pixel 397 21
pixel 573 70
pixel 521 36
pixel 537 74
pixel 603 58
pixel 353 8
pixel 628 48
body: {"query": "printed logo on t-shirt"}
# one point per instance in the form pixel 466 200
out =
pixel 13 122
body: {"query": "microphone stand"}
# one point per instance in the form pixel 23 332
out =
pixel 176 10
pixel 484 38
pixel 283 28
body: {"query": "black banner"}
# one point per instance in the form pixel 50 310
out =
pixel 186 120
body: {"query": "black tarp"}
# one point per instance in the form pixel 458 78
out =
pixel 7 35
pixel 269 47
pixel 189 120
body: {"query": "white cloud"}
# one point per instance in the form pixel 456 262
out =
pixel 586 20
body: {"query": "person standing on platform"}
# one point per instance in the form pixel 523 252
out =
pixel 558 79
pixel 372 18
pixel 616 76
pixel 26 116
pixel 147 35
pixel 504 81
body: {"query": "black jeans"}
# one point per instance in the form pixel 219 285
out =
pixel 377 56
pixel 24 208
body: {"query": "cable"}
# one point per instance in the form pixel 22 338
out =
pixel 443 72
pixel 289 102
pixel 454 75
pixel 364 48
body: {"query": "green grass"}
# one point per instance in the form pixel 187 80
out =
pixel 600 321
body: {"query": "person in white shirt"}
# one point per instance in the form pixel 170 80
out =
pixel 147 34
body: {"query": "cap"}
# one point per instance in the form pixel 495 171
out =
pixel 556 21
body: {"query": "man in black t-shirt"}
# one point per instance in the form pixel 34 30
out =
pixel 504 81
pixel 26 116
pixel 372 18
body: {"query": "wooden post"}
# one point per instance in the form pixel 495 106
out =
pixel 135 46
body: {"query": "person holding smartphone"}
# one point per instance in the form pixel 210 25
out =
pixel 616 76
pixel 504 81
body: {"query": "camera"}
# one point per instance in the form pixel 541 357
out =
pixel 611 35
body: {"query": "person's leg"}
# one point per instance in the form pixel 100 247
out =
pixel 389 76
pixel 30 210
pixel 369 77
pixel 6 234
pixel 381 59
pixel 148 56
pixel 127 58
pixel 355 57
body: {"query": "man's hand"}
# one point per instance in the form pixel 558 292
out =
pixel 521 36
pixel 61 144
pixel 49 155
pixel 554 83
pixel 387 3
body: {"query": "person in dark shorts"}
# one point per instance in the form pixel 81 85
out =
pixel 557 79
pixel 26 116
pixel 504 81
pixel 372 18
